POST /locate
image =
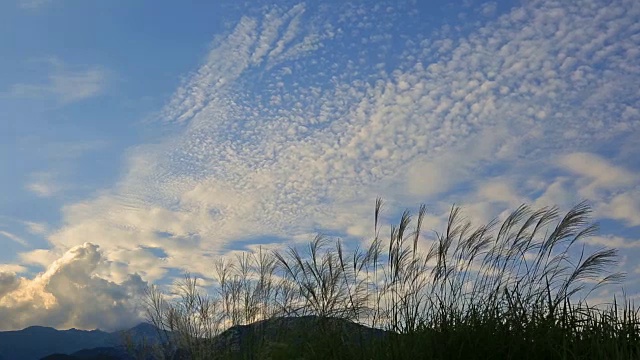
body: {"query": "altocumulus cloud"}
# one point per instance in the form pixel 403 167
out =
pixel 299 117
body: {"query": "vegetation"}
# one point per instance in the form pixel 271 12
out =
pixel 511 291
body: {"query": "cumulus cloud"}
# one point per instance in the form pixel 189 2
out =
pixel 8 282
pixel 69 294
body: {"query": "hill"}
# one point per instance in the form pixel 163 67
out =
pixel 274 338
pixel 37 342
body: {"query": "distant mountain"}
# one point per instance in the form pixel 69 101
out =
pixel 290 336
pixel 59 357
pixel 37 342
pixel 102 353
pixel 143 332
pixel 286 335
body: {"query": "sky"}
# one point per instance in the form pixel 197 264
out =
pixel 142 139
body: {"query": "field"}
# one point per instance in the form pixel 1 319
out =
pixel 515 289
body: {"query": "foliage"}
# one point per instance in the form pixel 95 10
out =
pixel 507 291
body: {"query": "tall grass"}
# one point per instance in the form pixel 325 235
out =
pixel 515 289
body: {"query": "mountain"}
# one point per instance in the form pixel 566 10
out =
pixel 37 342
pixel 103 353
pixel 284 337
pixel 280 337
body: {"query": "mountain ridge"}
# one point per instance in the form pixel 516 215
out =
pixel 46 343
pixel 36 342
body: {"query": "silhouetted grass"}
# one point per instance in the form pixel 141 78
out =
pixel 511 291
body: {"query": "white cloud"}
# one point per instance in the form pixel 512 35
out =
pixel 74 86
pixel 61 159
pixel 12 268
pixel 8 282
pixel 69 294
pixel 42 189
pixel 611 241
pixel 65 85
pixel 33 4
pixel 40 257
pixel 599 171
pixel 498 190
pixel 290 32
pixel 614 189
pixel 270 151
pixel 431 178
pixel 243 167
pixel 13 237
pixel 625 207
pixel 557 192
pixel 488 9
pixel 43 184
pixel 36 228
pixel 71 150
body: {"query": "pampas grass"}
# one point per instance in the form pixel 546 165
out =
pixel 518 289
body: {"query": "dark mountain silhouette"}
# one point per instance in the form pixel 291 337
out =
pixel 283 335
pixel 37 342
pixel 59 357
pixel 102 353
pixel 289 336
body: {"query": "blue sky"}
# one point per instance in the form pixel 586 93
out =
pixel 139 139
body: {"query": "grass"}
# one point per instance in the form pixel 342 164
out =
pixel 509 290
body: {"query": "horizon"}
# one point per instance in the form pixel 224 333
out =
pixel 142 141
pixel 143 322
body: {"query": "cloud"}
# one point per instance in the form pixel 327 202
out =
pixel 556 192
pixel 614 189
pixel 497 190
pixel 72 150
pixel 599 171
pixel 611 241
pixel 8 282
pixel 65 85
pixel 40 257
pixel 61 158
pixel 33 4
pixel 32 227
pixel 69 294
pixel 267 145
pixel 625 207
pixel 259 155
pixel 43 184
pixel 488 9
pixel 42 189
pixel 36 228
pixel 13 237
pixel 11 268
